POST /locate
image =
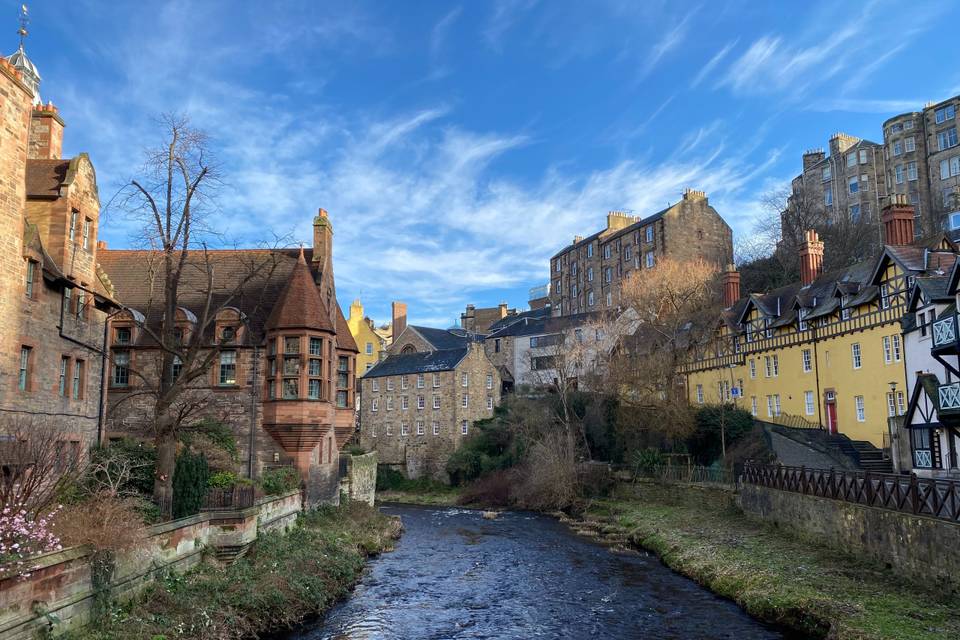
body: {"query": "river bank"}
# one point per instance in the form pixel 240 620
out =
pixel 774 575
pixel 284 579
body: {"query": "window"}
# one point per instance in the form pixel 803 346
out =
pixel 947 139
pixel 776 365
pixel 375 405
pixel 404 429
pixel 465 400
pixel 389 403
pixel 802 319
pixel 376 385
pixel 291 345
pixel 884 297
pixel 389 384
pixel 464 380
pixel 86 234
pixel 389 429
pixel 122 335
pixel 590 250
pixel 73 226
pixel 420 430
pixel 950 168
pixel 945 113
pixel 863 156
pixel 828 197
pixel 373 431
pixel 898 172
pixel 421 402
pixel 420 381
pixel 316 347
pixel 67 299
pixel 573 269
pixel 627 253
pixel 776 404
pixel 404 403
pixel 901 403
pixel 64 367
pixel 910 144
pixel 228 368
pixel 489 381
pixel 897 356
pixel 403 382
pixel 607 274
pixel 855 349
pixel 436 402
pixel 343 381
pixel 753 405
pixel 609 299
pixel 490 403
pixel 436 428
pixel 699 394
pixel 769 406
pixel 291 365
pixel 771 366
pixel 436 380
pixel 855 212
pixel 121 368
pixel 606 251
pixel 853 184
pixel 78 379
pixel 911 171
pixel 496 345
pixel 753 369
pixel 649 232
pixel 649 259
pixel 891 404
pixel 590 298
pixel 464 427
pixel 861 410
pixel 31 276
pixel 808 402
pixel 313 389
pixel 897 148
pixel 369 348
pixel 807 361
pixel 589 274
pixel 852 159
pixel 826 173
pixel 313 367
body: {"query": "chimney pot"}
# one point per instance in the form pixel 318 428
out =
pixel 898 221
pixel 811 258
pixel 731 286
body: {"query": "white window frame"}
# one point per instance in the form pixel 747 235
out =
pixel 860 407
pixel 856 355
pixel 809 406
pixel 807 360
pixel 699 394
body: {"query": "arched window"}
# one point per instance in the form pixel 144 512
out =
pixel 408 349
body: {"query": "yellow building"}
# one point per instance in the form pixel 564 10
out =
pixel 825 351
pixel 371 344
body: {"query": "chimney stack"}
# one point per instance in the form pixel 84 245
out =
pixel 897 219
pixel 398 315
pixel 731 286
pixel 811 258
pixel 503 309
pixel 46 133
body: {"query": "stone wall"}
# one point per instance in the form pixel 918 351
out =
pixel 358 477
pixel 919 547
pixel 60 583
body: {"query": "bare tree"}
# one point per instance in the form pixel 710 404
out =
pixel 38 460
pixel 172 197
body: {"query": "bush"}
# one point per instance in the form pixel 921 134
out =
pixel 130 461
pixel 279 480
pixel 356 450
pixel 226 480
pixel 491 446
pixel 704 443
pixel 189 483
pixel 494 490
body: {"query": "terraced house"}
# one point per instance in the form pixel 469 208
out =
pixel 827 351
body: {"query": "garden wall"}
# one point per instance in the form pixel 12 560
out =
pixel 60 586
pixel 358 477
pixel 921 547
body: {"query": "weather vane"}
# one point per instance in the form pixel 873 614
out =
pixel 24 21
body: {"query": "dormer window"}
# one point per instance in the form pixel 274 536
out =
pixel 802 319
pixel 123 335
pixel 768 331
pixel 228 334
pixel 884 297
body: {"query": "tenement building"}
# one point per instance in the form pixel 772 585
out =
pixel 419 403
pixel 586 275
pixel 55 297
pixel 283 376
pixel 827 351
pixel 371 343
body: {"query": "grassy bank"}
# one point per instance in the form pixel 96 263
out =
pixel 434 497
pixel 281 581
pixel 771 573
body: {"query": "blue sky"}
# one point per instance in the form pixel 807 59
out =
pixel 458 145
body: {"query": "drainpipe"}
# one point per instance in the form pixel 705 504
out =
pixel 816 375
pixel 254 401
pixel 101 412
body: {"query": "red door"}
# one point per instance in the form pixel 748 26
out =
pixel 832 417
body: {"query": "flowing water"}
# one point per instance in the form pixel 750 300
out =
pixel 456 575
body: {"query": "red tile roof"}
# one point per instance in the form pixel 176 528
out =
pixel 300 305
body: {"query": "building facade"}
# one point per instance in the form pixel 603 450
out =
pixel 586 276
pixel 56 299
pixel 372 344
pixel 479 320
pixel 282 375
pixel 827 351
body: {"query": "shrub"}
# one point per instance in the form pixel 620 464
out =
pixel 548 478
pixel 23 536
pixel 104 522
pixel 123 467
pixel 356 450
pixel 646 460
pixel 227 479
pixel 704 443
pixel 491 446
pixel 494 489
pixel 279 480
pixel 189 483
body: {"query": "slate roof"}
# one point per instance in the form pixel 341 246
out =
pixel 420 362
pixel 45 177
pixel 132 272
pixel 540 326
pixel 444 338
pixel 508 320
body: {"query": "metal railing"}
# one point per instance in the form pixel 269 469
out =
pixel 236 497
pixel 907 494
pixel 692 474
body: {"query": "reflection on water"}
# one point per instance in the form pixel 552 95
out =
pixel 456 575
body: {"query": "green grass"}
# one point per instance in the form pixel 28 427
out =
pixel 434 496
pixel 281 581
pixel 774 574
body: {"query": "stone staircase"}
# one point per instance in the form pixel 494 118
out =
pixel 834 450
pixel 869 457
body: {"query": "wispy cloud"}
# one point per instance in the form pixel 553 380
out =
pixel 712 63
pixel 505 15
pixel 439 66
pixel 866 105
pixel 670 41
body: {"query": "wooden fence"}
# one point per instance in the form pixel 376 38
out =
pixel 236 497
pixel 908 494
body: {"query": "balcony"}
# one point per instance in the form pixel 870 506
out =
pixel 541 291
pixel 945 333
pixel 950 398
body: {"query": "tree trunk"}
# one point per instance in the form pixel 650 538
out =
pixel 166 443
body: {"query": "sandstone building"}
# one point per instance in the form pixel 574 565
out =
pixel 478 320
pixel 55 298
pixel 284 375
pixel 371 343
pixel 419 403
pixel 586 275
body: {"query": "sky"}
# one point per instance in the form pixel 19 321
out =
pixel 458 145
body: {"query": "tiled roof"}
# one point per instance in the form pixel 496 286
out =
pixel 420 362
pixel 540 326
pixel 444 338
pixel 299 305
pixel 264 274
pixel 508 320
pixel 44 177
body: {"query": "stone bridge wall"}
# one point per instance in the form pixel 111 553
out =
pixel 60 583
pixel 923 548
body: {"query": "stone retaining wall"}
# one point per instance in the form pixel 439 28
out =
pixel 919 547
pixel 60 585
pixel 358 477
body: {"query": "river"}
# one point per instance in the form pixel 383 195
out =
pixel 456 575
